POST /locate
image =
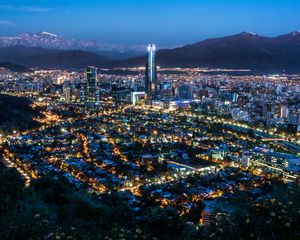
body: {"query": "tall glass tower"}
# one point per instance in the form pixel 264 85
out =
pixel 151 71
pixel 91 74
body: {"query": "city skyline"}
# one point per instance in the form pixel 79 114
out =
pixel 140 22
pixel 129 120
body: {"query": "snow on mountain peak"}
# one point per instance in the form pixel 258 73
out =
pixel 296 33
pixel 48 34
pixel 249 33
pixel 54 41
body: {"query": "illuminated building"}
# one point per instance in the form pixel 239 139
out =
pixel 235 97
pixel 185 91
pixel 82 92
pixel 136 96
pixel 67 91
pixel 284 111
pixel 150 161
pixel 166 85
pixel 91 74
pixel 151 72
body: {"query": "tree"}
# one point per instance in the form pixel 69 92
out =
pixel 251 133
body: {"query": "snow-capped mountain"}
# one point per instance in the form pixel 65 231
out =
pixel 241 51
pixel 53 41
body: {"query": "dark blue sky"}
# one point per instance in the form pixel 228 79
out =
pixel 165 22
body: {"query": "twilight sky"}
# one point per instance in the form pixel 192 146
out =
pixel 165 22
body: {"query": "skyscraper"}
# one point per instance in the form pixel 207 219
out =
pixel 185 91
pixel 151 71
pixel 284 111
pixel 67 91
pixel 91 74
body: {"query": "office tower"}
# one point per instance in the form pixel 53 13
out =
pixel 67 91
pixel 82 93
pixel 151 72
pixel 91 74
pixel 114 90
pixel 284 111
pixel 235 97
pixel 185 91
pixel 76 88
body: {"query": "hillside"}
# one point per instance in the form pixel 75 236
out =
pixel 14 67
pixel 50 58
pixel 16 113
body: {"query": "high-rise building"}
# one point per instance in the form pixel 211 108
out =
pixel 67 91
pixel 298 118
pixel 235 97
pixel 293 118
pixel 83 92
pixel 185 91
pixel 91 74
pixel 284 111
pixel 151 72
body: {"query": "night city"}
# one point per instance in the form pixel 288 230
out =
pixel 157 120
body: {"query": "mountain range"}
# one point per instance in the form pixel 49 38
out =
pixel 35 57
pixel 241 51
pixel 54 41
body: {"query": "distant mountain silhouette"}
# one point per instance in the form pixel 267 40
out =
pixel 50 58
pixel 54 41
pixel 14 67
pixel 244 50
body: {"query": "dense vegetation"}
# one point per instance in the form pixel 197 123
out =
pixel 51 208
pixel 14 67
pixel 16 113
pixel 272 216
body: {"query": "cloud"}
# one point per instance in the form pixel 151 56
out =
pixel 28 9
pixel 6 23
